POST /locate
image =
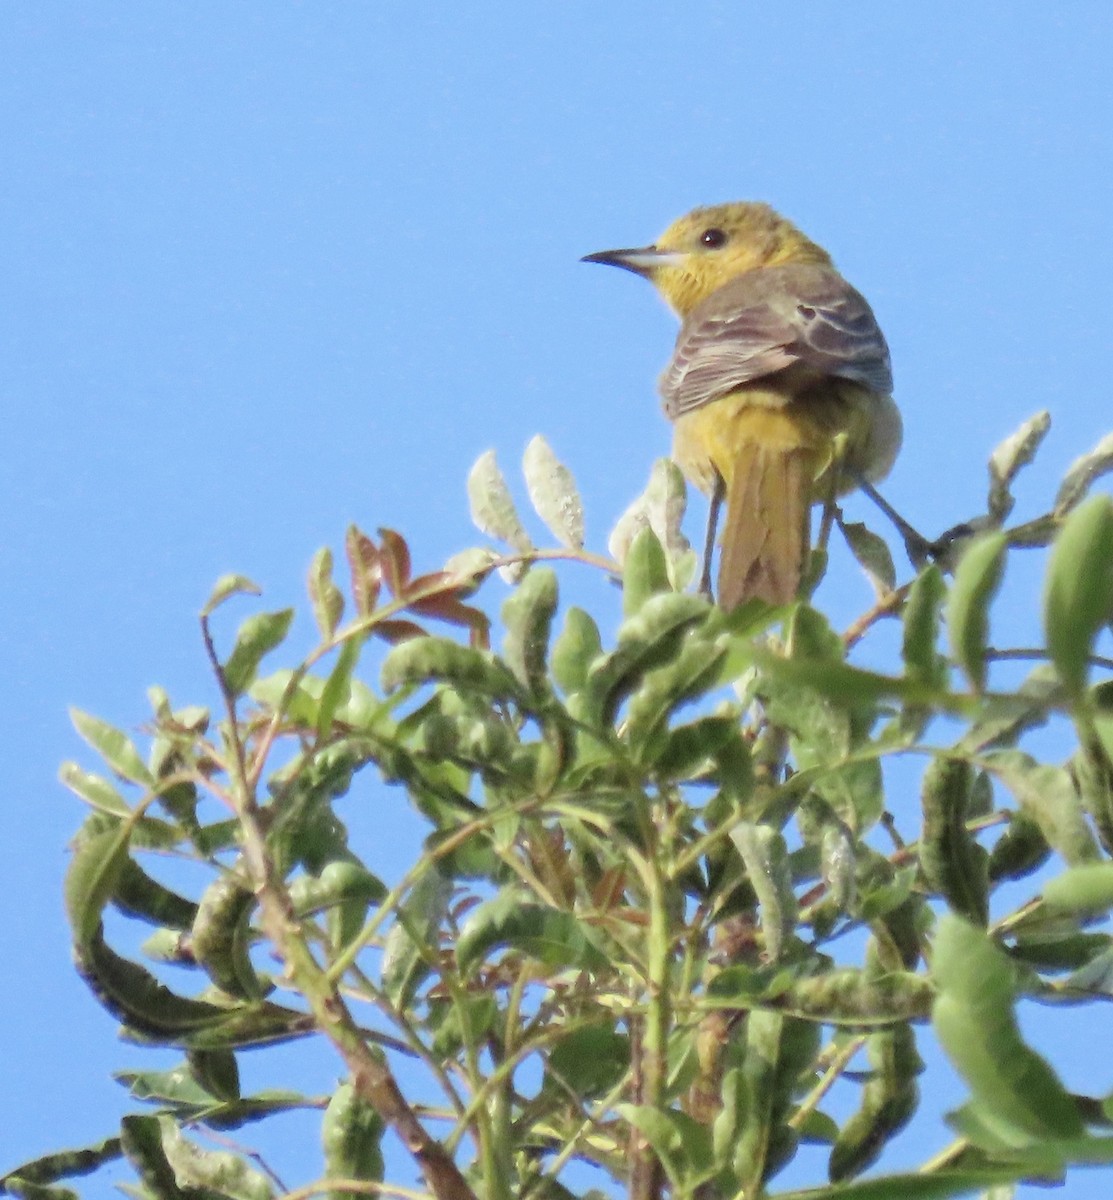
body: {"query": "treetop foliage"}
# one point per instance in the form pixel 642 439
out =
pixel 673 898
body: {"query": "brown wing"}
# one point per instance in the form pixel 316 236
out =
pixel 770 319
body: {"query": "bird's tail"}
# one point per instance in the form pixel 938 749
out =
pixel 769 490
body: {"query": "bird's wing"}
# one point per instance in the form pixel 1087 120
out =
pixel 770 319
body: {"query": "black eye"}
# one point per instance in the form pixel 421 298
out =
pixel 713 238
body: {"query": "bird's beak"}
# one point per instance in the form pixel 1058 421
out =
pixel 643 261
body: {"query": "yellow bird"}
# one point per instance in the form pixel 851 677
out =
pixel 778 388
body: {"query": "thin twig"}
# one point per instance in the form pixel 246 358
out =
pixel 228 698
pixel 1025 653
pixel 889 605
pixel 372 1079
pixel 357 1187
pixel 945 1157
pixel 245 1151
pixel 827 1081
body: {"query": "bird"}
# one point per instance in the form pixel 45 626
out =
pixel 779 386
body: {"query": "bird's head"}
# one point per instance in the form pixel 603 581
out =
pixel 707 247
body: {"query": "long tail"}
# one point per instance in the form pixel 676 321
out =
pixel 769 486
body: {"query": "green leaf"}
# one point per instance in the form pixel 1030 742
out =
pixel 138 895
pixel 492 509
pixel 1092 771
pixel 325 596
pixel 14 1184
pixel 693 672
pixel 1058 946
pixel 113 745
pixel 974 1020
pixel 180 1090
pixel 1002 719
pixel 855 790
pixel 153 1013
pixel 300 703
pixel 338 687
pixel 588 1062
pixel 1082 473
pixel 880 897
pixel 338 882
pixel 645 571
pixel 825 724
pixel 778 1050
pixel 1046 794
pixel 646 640
pixel 889 1100
pixel 681 1143
pixel 528 616
pixel 345 891
pixel 1085 890
pixel 811 637
pixel 666 499
pixel 1078 589
pixel 226 587
pixel 1019 851
pixel 922 609
pixel 738 985
pixel 217 1071
pixel 1005 463
pixel 856 998
pixel 849 686
pixel 873 556
pixel 63 1164
pixel 953 863
pixel 351 1135
pixel 257 636
pixel 552 491
pixel 463 1023
pixel 822 827
pixel 222 937
pixel 766 858
pixel 141 1139
pixel 1094 976
pixel 94 871
pixel 818 1129
pixel 511 919
pixel 219 1172
pixel 660 508
pixel 407 952
pixel 577 645
pixel 429 659
pixel 938 1185
pixel 94 790
pixel 976 581
pixel 702 741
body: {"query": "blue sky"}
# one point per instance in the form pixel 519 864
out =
pixel 269 268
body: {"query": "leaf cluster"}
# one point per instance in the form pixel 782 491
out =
pixel 669 901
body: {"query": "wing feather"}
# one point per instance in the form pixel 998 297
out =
pixel 768 320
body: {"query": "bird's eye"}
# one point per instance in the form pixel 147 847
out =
pixel 713 238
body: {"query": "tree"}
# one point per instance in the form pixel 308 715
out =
pixel 664 905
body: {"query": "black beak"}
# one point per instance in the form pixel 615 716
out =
pixel 642 261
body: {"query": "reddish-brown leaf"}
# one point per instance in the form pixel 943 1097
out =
pixel 463 907
pixel 608 891
pixel 396 561
pixel 435 583
pixel 399 630
pixel 549 857
pixel 444 605
pixel 442 602
pixel 365 566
